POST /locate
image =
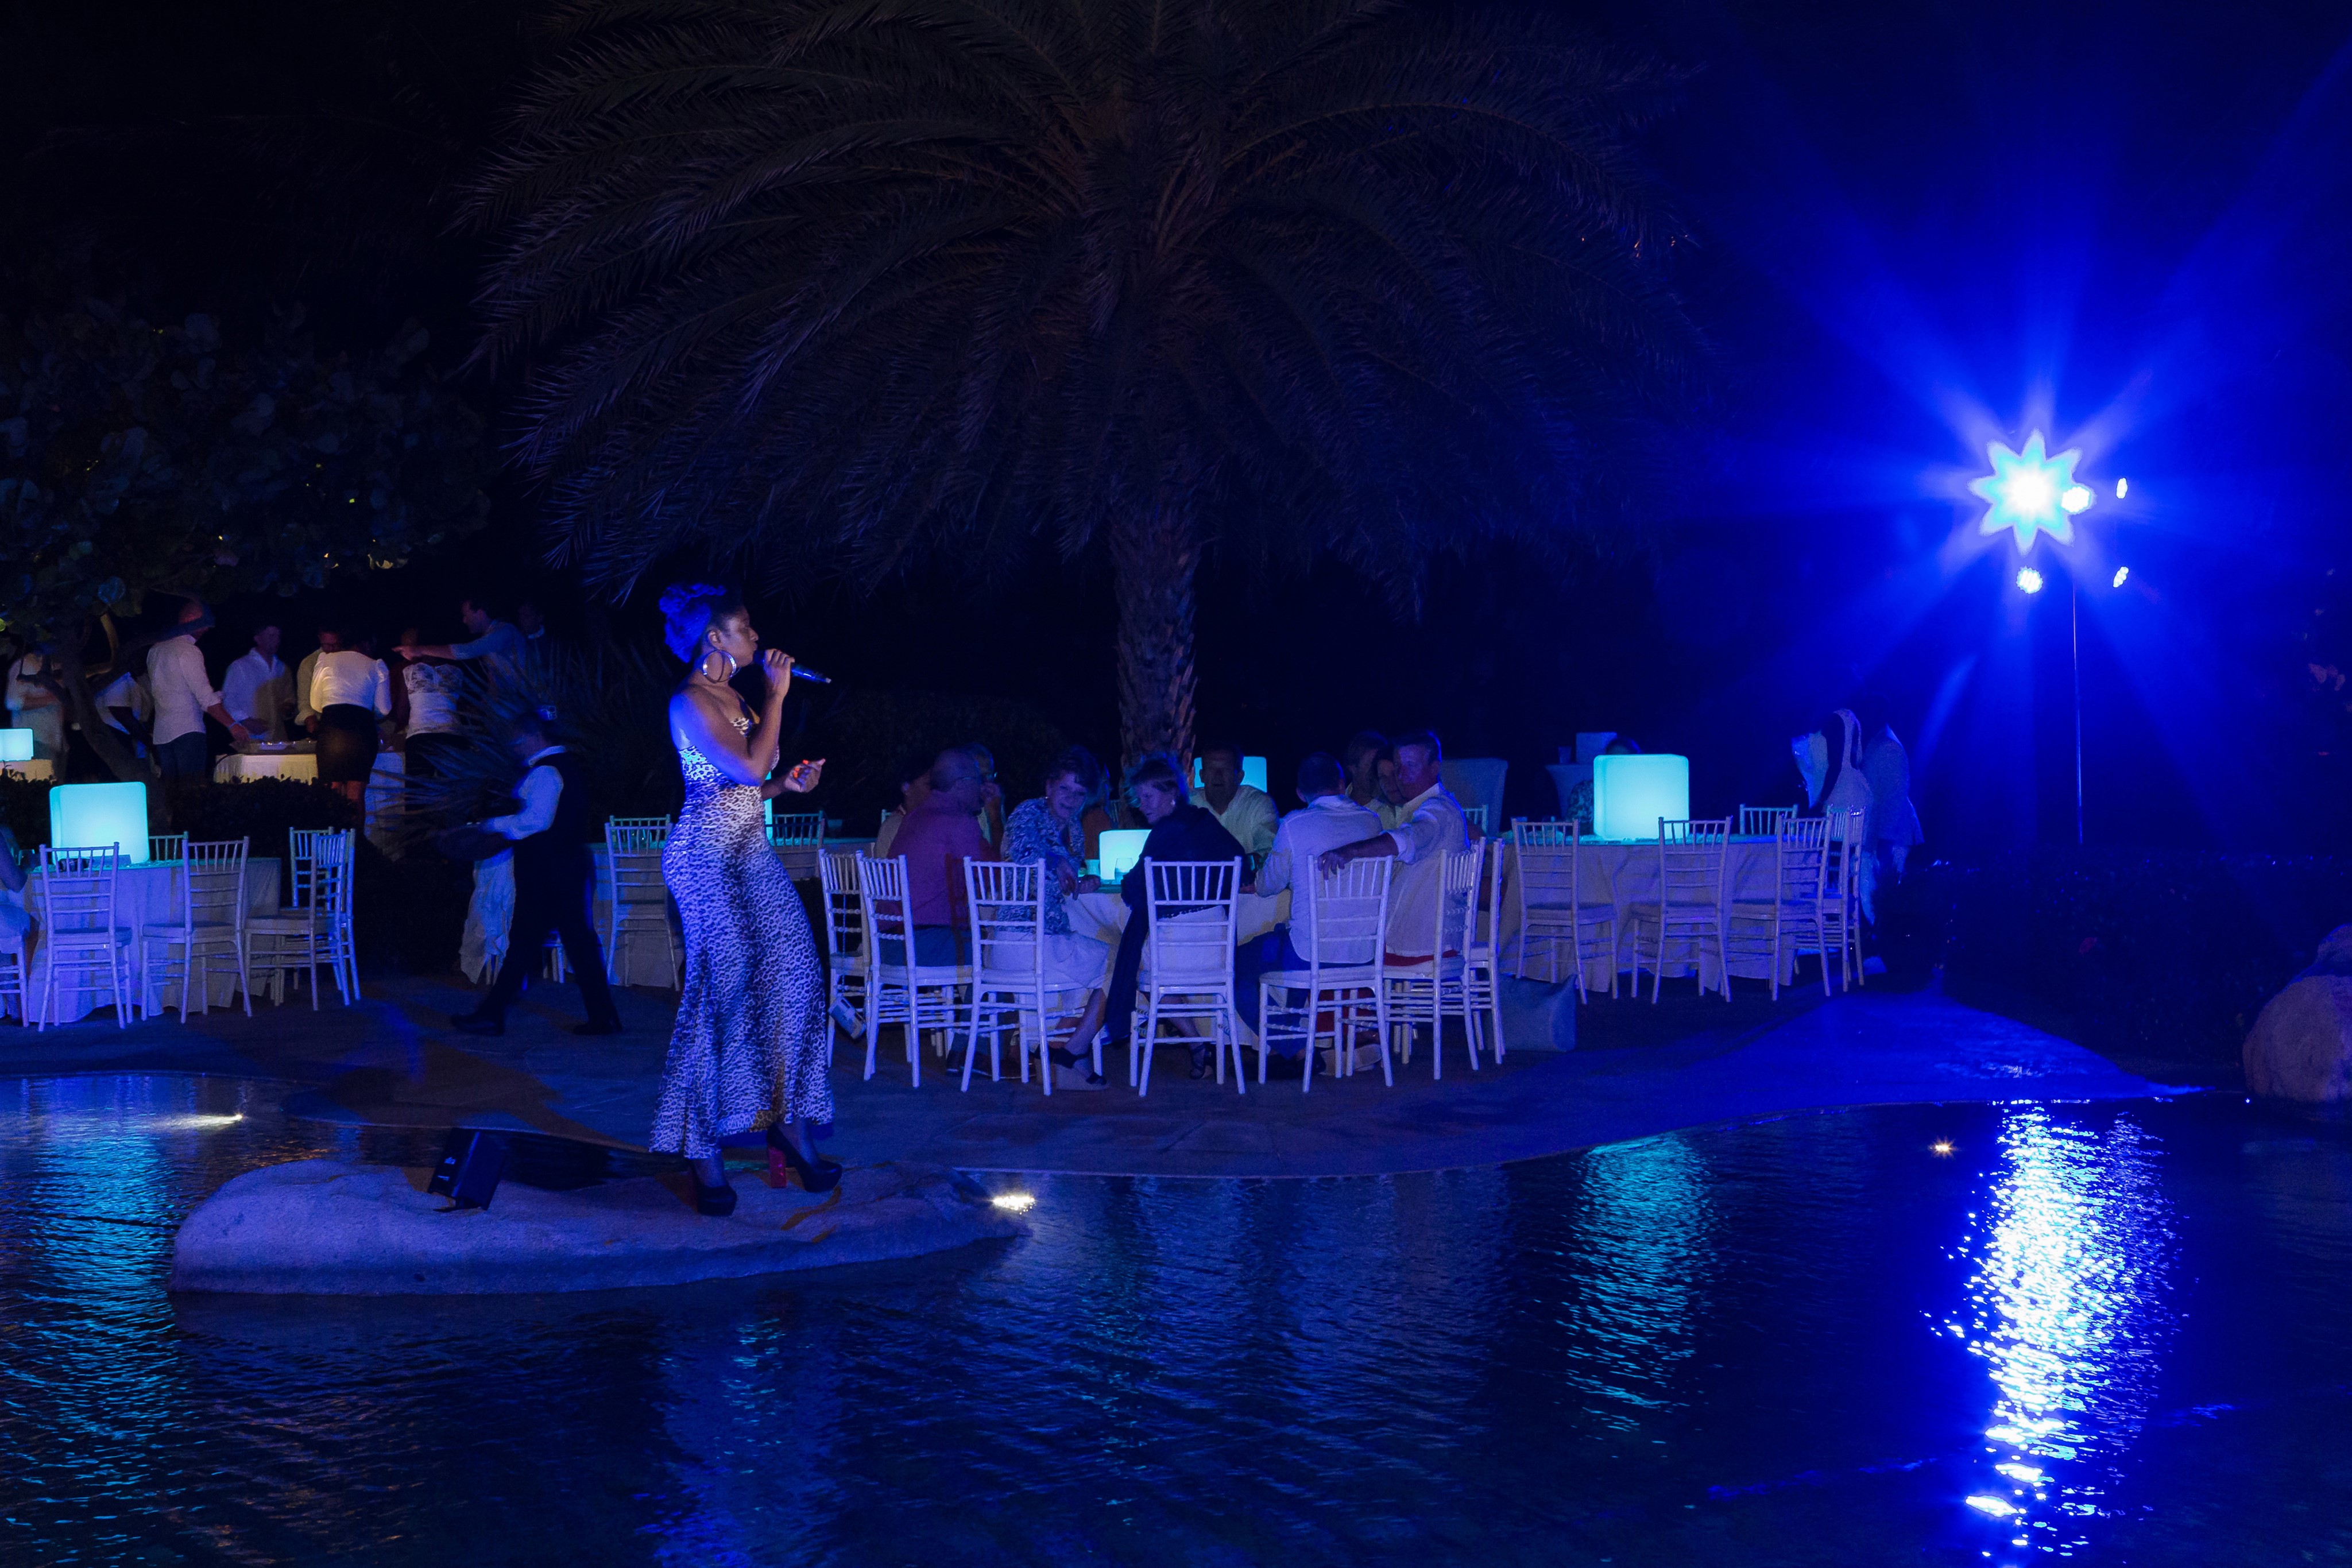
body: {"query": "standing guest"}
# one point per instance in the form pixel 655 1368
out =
pixel 1430 827
pixel 1243 809
pixel 914 780
pixel 1365 757
pixel 937 838
pixel 1179 832
pixel 493 639
pixel 256 690
pixel 33 705
pixel 1892 826
pixel 553 872
pixel 1326 819
pixel 431 688
pixel 126 709
pixel 305 717
pixel 350 690
pixel 752 1042
pixel 183 697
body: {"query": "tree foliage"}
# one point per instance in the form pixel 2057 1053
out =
pixel 837 285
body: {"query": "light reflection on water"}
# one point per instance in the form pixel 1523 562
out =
pixel 2070 1308
pixel 1742 1345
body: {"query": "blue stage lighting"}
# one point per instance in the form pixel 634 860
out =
pixel 2123 573
pixel 2122 489
pixel 2077 498
pixel 2029 492
pixel 2029 580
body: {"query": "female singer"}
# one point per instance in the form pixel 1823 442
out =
pixel 753 1044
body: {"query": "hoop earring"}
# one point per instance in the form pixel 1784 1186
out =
pixel 731 665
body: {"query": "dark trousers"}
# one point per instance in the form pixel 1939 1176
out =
pixel 184 756
pixel 430 754
pixel 553 898
pixel 1119 1007
pixel 1269 955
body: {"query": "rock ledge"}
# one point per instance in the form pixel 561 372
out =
pixel 326 1227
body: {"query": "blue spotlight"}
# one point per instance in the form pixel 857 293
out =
pixel 2029 492
pixel 2123 575
pixel 2122 489
pixel 2029 580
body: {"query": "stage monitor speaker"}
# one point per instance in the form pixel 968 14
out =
pixel 471 1164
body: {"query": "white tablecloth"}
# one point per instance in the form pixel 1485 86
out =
pixel 1629 871
pixel 142 894
pixel 386 780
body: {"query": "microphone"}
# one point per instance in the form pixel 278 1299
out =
pixel 802 673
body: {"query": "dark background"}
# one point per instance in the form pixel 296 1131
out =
pixel 1919 228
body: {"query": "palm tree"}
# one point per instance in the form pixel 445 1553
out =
pixel 815 285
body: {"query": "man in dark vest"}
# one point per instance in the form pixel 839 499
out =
pixel 552 873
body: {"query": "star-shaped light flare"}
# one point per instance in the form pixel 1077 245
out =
pixel 2028 491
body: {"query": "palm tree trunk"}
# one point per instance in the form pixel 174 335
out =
pixel 1154 558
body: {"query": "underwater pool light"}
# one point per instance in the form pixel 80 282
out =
pixel 1999 1507
pixel 1014 1202
pixel 1941 1146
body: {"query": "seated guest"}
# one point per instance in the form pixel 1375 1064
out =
pixel 992 795
pixel 1048 828
pixel 1327 821
pixel 1366 756
pixel 1579 799
pixel 935 840
pixel 913 776
pixel 1179 832
pixel 1430 827
pixel 1242 810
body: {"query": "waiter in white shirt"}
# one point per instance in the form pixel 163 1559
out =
pixel 1430 826
pixel 553 870
pixel 183 697
pixel 1327 821
pixel 256 690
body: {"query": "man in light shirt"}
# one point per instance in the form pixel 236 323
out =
pixel 1242 810
pixel 1327 821
pixel 256 690
pixel 496 641
pixel 183 697
pixel 330 641
pixel 1430 826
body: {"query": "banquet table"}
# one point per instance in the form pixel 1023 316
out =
pixel 143 895
pixel 1630 869
pixel 386 780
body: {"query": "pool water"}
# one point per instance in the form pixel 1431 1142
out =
pixel 2102 1333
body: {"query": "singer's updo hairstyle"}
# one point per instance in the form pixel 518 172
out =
pixel 690 609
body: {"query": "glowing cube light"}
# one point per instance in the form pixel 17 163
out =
pixel 1253 773
pixel 1121 847
pixel 1631 794
pixel 91 816
pixel 15 745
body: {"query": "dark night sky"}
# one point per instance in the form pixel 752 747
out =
pixel 1913 221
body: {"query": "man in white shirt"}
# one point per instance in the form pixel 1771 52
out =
pixel 1430 826
pixel 496 641
pixel 1329 821
pixel 256 690
pixel 1242 810
pixel 183 695
pixel 127 710
pixel 34 706
pixel 305 716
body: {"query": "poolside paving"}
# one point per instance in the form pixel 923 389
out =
pixel 392 1060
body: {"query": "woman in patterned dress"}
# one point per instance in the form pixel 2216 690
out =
pixel 753 1044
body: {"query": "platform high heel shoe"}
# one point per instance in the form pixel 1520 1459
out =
pixel 713 1202
pixel 822 1177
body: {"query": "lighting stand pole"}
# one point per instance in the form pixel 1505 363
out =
pixel 2075 632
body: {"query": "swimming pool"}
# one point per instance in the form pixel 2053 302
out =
pixel 2109 1332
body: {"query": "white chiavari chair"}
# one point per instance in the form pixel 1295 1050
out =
pixel 316 928
pixel 1777 930
pixel 1763 821
pixel 798 838
pixel 1424 993
pixel 15 967
pixel 636 897
pixel 74 904
pixel 1339 925
pixel 1013 981
pixel 206 926
pixel 1692 861
pixel 1482 962
pixel 1476 816
pixel 1841 897
pixel 166 848
pixel 846 945
pixel 900 989
pixel 1555 904
pixel 1188 963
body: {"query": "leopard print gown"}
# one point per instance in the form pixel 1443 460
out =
pixel 753 1044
